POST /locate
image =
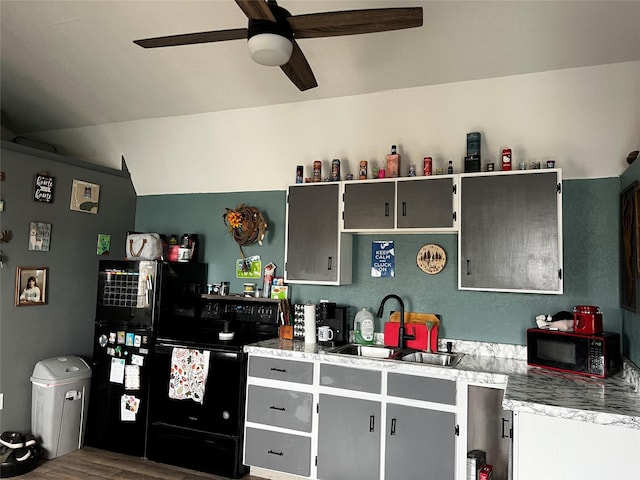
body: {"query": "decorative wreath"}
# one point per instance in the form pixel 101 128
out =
pixel 246 224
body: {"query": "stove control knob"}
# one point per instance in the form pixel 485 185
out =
pixel 226 415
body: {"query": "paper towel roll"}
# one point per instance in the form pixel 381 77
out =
pixel 309 323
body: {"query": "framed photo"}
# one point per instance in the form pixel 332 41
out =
pixel 39 236
pixel 31 286
pixel 85 196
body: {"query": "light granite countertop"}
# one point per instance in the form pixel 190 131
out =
pixel 611 401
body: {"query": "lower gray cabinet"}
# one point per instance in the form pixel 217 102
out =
pixel 348 438
pixel 420 443
pixel 280 408
pixel 278 451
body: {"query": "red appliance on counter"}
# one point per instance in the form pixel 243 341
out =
pixel 587 319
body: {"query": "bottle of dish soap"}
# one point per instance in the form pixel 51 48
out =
pixel 363 327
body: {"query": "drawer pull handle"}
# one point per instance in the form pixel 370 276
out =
pixel 275 453
pixel 281 370
pixel 372 423
pixel 393 426
pixel 280 409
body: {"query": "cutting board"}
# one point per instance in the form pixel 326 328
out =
pixel 414 317
pixel 419 330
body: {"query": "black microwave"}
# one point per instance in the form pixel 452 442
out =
pixel 591 355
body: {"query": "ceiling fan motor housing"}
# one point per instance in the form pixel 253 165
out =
pixel 270 43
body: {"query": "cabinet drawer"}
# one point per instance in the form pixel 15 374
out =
pixel 350 378
pixel 278 369
pixel 278 451
pixel 437 390
pixel 281 408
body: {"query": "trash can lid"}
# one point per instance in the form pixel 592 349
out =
pixel 60 370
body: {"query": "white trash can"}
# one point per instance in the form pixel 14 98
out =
pixel 59 403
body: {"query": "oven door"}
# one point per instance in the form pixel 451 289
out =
pixel 222 407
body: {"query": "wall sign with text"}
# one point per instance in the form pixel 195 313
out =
pixel 43 188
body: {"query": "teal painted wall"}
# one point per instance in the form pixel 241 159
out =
pixel 591 238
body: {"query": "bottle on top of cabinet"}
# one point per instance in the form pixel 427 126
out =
pixel 393 163
pixel 506 159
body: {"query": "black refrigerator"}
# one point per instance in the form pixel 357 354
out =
pixel 132 296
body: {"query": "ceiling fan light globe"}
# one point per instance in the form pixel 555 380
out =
pixel 270 49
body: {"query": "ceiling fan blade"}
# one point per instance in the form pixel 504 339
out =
pixel 354 22
pixel 298 70
pixel 192 38
pixel 256 9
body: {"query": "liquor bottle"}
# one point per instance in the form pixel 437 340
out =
pixel 393 163
pixel 450 168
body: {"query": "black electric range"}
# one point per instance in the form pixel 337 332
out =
pixel 206 434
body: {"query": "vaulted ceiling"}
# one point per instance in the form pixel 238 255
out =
pixel 73 63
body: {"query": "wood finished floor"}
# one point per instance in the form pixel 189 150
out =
pixel 94 464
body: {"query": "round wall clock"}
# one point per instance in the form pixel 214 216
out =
pixel 431 258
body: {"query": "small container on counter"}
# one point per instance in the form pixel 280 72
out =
pixel 363 170
pixel 335 170
pixel 317 171
pixel 427 164
pixel 299 174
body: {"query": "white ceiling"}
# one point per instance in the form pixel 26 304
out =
pixel 73 64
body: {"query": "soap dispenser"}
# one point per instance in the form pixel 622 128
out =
pixel 363 331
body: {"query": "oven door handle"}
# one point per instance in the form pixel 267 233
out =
pixel 163 347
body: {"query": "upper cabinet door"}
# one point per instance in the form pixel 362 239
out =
pixel 369 205
pixel 427 203
pixel 315 251
pixel 511 232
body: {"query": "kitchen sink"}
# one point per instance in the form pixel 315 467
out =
pixel 441 359
pixel 370 351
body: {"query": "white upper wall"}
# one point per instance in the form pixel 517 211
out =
pixel 587 119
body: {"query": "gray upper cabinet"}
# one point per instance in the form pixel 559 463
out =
pixel 316 252
pixel 426 203
pixel 511 232
pixel 369 205
pixel 409 204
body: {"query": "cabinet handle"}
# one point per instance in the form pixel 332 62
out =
pixel 404 209
pixel 509 431
pixel 275 453
pixel 468 267
pixel 281 370
pixel 372 423
pixel 329 263
pixel 393 426
pixel 280 409
pixel 386 209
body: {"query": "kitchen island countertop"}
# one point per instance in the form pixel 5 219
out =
pixel 611 401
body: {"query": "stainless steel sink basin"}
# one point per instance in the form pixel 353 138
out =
pixel 441 359
pixel 370 351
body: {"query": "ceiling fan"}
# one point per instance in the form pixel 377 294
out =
pixel 273 31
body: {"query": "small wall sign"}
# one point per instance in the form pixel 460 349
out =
pixel 43 188
pixel 383 259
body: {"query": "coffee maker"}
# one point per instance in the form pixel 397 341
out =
pixel 335 317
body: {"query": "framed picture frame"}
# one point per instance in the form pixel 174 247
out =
pixel 31 286
pixel 43 188
pixel 39 236
pixel 84 197
pixel 629 248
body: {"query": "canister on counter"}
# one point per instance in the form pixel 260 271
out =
pixel 299 174
pixel 363 169
pixel 317 171
pixel 428 162
pixel 506 159
pixel 335 170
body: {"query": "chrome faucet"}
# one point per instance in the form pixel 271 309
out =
pixel 402 337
